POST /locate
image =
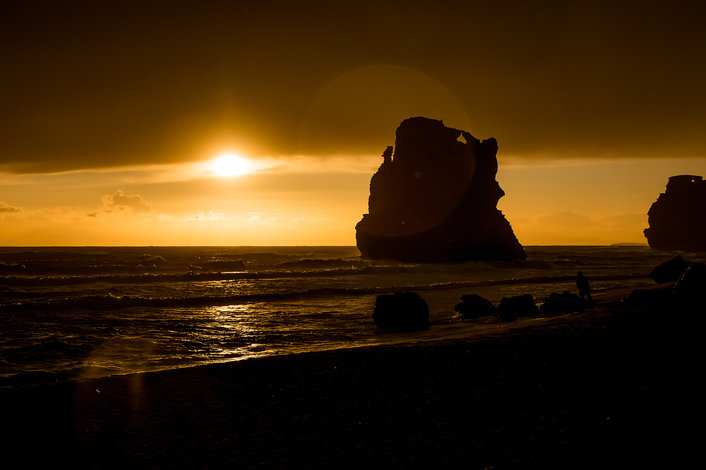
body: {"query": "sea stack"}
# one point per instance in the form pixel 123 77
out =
pixel 434 199
pixel 677 220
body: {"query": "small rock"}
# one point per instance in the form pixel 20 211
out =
pixel 403 310
pixel 474 306
pixel 517 306
pixel 562 303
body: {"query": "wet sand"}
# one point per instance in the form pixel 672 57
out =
pixel 606 387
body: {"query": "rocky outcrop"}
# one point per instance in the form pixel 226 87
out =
pixel 678 218
pixel 686 296
pixel 657 299
pixel 690 289
pixel 435 199
pixel 670 271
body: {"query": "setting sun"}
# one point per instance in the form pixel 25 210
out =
pixel 229 164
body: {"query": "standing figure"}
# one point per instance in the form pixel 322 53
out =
pixel 584 288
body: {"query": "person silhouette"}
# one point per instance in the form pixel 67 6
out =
pixel 584 287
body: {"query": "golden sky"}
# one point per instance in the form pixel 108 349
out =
pixel 112 111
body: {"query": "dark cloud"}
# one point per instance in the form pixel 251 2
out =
pixel 93 84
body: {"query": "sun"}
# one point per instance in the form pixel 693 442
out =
pixel 229 164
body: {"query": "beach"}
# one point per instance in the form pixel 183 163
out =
pixel 605 387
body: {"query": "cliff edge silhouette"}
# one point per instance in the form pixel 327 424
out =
pixel 435 199
pixel 677 220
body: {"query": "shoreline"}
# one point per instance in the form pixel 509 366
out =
pixel 444 331
pixel 597 386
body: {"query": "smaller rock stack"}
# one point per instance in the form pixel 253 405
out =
pixel 678 218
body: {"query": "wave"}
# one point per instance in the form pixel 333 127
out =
pixel 318 263
pixel 109 301
pixel 126 260
pixel 315 269
pixel 234 270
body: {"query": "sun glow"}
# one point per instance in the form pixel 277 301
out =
pixel 229 164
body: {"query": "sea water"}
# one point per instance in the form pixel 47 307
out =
pixel 89 312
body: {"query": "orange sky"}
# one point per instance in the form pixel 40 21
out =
pixel 111 109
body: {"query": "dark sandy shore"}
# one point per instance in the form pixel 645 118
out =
pixel 599 389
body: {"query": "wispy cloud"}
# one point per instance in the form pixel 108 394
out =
pixel 205 216
pixel 201 170
pixel 8 209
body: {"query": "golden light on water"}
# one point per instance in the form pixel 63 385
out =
pixel 230 164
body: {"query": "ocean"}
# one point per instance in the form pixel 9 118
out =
pixel 76 312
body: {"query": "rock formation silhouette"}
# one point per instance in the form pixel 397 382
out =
pixel 435 199
pixel 678 218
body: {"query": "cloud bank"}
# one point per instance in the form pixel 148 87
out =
pixel 151 85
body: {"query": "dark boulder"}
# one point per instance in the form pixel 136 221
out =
pixel 690 289
pixel 656 299
pixel 401 310
pixel 474 306
pixel 565 302
pixel 517 306
pixel 435 198
pixel 670 271
pixel 678 218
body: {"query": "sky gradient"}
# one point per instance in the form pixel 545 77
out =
pixel 112 110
